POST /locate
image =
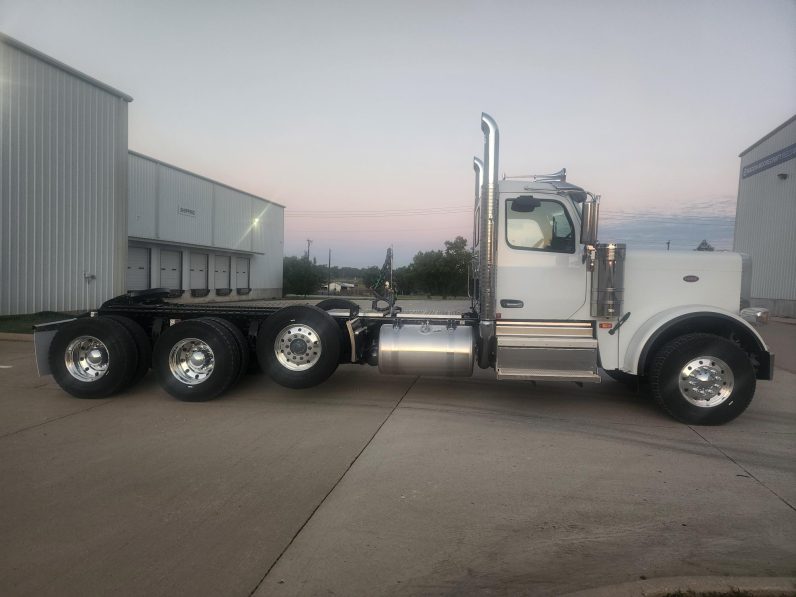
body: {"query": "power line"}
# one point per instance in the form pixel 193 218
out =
pixel 391 213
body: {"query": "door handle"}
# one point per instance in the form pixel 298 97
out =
pixel 511 304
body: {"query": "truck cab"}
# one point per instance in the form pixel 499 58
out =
pixel 565 306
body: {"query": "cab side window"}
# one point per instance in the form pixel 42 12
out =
pixel 539 225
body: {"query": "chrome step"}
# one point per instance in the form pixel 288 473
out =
pixel 547 351
pixel 547 375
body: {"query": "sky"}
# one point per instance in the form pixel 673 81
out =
pixel 362 118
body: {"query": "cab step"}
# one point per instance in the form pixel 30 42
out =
pixel 547 351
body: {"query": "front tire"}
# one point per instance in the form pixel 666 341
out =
pixel 702 379
pixel 299 347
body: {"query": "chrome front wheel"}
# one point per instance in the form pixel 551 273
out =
pixel 706 381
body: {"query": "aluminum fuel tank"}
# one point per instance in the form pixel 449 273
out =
pixel 426 350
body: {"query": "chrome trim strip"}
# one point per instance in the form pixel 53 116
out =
pixel 546 342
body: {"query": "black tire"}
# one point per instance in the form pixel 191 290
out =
pixel 204 386
pixel 313 328
pixel 338 303
pixel 240 340
pixel 143 346
pixel 722 364
pixel 351 307
pixel 72 372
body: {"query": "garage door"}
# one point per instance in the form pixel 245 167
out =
pixel 171 270
pixel 242 272
pixel 222 271
pixel 198 270
pixel 137 268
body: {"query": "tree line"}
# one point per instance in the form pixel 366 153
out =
pixel 443 272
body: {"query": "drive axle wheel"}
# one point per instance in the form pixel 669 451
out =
pixel 93 358
pixel 299 346
pixel 240 340
pixel 196 360
pixel 702 379
pixel 143 346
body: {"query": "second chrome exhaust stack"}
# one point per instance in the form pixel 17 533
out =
pixel 487 244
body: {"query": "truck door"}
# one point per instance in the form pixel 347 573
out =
pixel 540 271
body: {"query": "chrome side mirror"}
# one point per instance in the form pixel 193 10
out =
pixel 588 226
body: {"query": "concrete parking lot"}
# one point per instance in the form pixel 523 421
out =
pixel 374 485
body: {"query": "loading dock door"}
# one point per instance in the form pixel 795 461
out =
pixel 137 268
pixel 242 272
pixel 198 270
pixel 171 270
pixel 222 272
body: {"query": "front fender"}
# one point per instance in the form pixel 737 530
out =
pixel 695 318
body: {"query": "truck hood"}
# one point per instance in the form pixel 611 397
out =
pixel 659 280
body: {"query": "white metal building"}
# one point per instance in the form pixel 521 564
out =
pixel 64 205
pixel 765 221
pixel 63 185
pixel 200 238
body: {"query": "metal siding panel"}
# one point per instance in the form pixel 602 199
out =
pixel 59 211
pixel 233 222
pixel 142 197
pixel 766 220
pixel 176 191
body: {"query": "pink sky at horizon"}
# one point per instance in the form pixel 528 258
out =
pixel 375 106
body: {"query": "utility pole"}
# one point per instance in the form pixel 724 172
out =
pixel 668 242
pixel 309 242
pixel 329 281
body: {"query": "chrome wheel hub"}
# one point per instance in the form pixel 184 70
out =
pixel 191 361
pixel 297 347
pixel 706 381
pixel 86 358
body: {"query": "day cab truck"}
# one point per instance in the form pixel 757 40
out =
pixel 549 303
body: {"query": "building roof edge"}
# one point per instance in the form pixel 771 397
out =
pixel 768 136
pixel 15 43
pixel 184 171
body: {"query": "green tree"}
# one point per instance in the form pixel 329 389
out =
pixel 300 276
pixel 457 261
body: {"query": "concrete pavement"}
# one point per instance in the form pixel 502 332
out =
pixel 374 485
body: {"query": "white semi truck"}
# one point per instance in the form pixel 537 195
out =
pixel 549 303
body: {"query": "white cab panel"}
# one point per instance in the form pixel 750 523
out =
pixel 549 284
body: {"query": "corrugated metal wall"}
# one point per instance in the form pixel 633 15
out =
pixel 63 187
pixel 765 225
pixel 170 205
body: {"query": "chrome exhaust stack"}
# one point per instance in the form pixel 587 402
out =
pixel 478 166
pixel 488 242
